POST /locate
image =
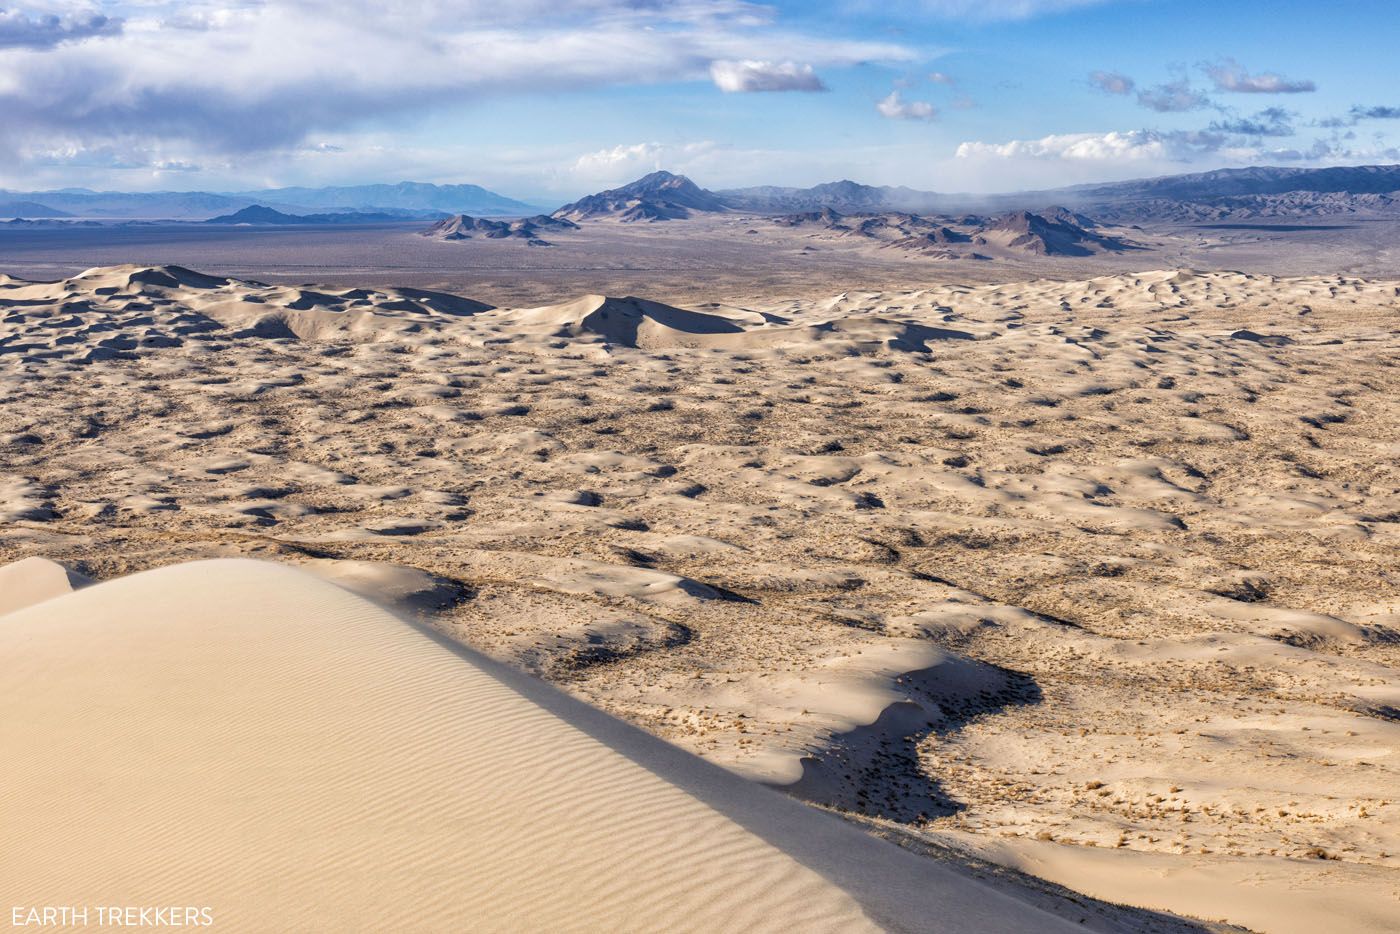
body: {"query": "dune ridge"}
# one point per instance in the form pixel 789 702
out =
pixel 242 736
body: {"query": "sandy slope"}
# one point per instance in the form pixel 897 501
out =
pixel 33 580
pixel 242 736
pixel 1105 565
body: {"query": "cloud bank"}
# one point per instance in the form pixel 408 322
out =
pixel 220 81
pixel 1125 146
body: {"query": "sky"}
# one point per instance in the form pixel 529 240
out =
pixel 546 100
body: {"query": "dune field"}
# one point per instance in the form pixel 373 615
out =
pixel 1087 586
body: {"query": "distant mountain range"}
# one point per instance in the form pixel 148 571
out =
pixel 1252 192
pixel 1355 180
pixel 410 196
pixel 1241 194
pixel 845 196
pixel 661 196
pixel 29 209
pixel 257 214
pixel 406 199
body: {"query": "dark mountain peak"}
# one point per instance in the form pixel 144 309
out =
pixel 844 186
pixel 1016 220
pixel 659 178
pixel 1054 232
pixel 658 196
pixel 1064 215
pixel 256 214
pixel 661 182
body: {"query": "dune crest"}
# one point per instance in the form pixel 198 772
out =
pixel 386 780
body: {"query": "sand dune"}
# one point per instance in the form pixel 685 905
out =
pixel 240 736
pixel 625 322
pixel 34 580
pixel 1100 567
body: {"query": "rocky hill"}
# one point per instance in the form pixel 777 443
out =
pixel 529 229
pixel 1054 232
pixel 1260 191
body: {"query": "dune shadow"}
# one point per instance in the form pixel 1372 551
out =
pixel 878 770
pixel 887 879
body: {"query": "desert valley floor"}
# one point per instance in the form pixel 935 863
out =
pixel 1095 580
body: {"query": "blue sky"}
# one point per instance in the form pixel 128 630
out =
pixel 546 100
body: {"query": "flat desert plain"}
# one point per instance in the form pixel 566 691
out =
pixel 1092 582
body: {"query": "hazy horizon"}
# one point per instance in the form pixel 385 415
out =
pixel 546 201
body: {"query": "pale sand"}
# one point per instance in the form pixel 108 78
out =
pixel 1262 893
pixel 242 736
pixel 33 580
pixel 1104 568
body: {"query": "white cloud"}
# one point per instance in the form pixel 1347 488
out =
pixel 896 108
pixel 1229 76
pixel 1125 146
pixel 749 76
pixel 938 77
pixel 617 165
pixel 608 161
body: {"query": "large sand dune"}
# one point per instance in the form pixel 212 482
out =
pixel 243 737
pixel 1069 570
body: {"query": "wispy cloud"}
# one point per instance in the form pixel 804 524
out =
pixel 1229 76
pixel 896 108
pixel 1272 121
pixel 1111 82
pixel 749 76
pixel 1173 97
pixel 990 10
pixel 39 28
pixel 1375 113
pixel 1357 114
pixel 1333 152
